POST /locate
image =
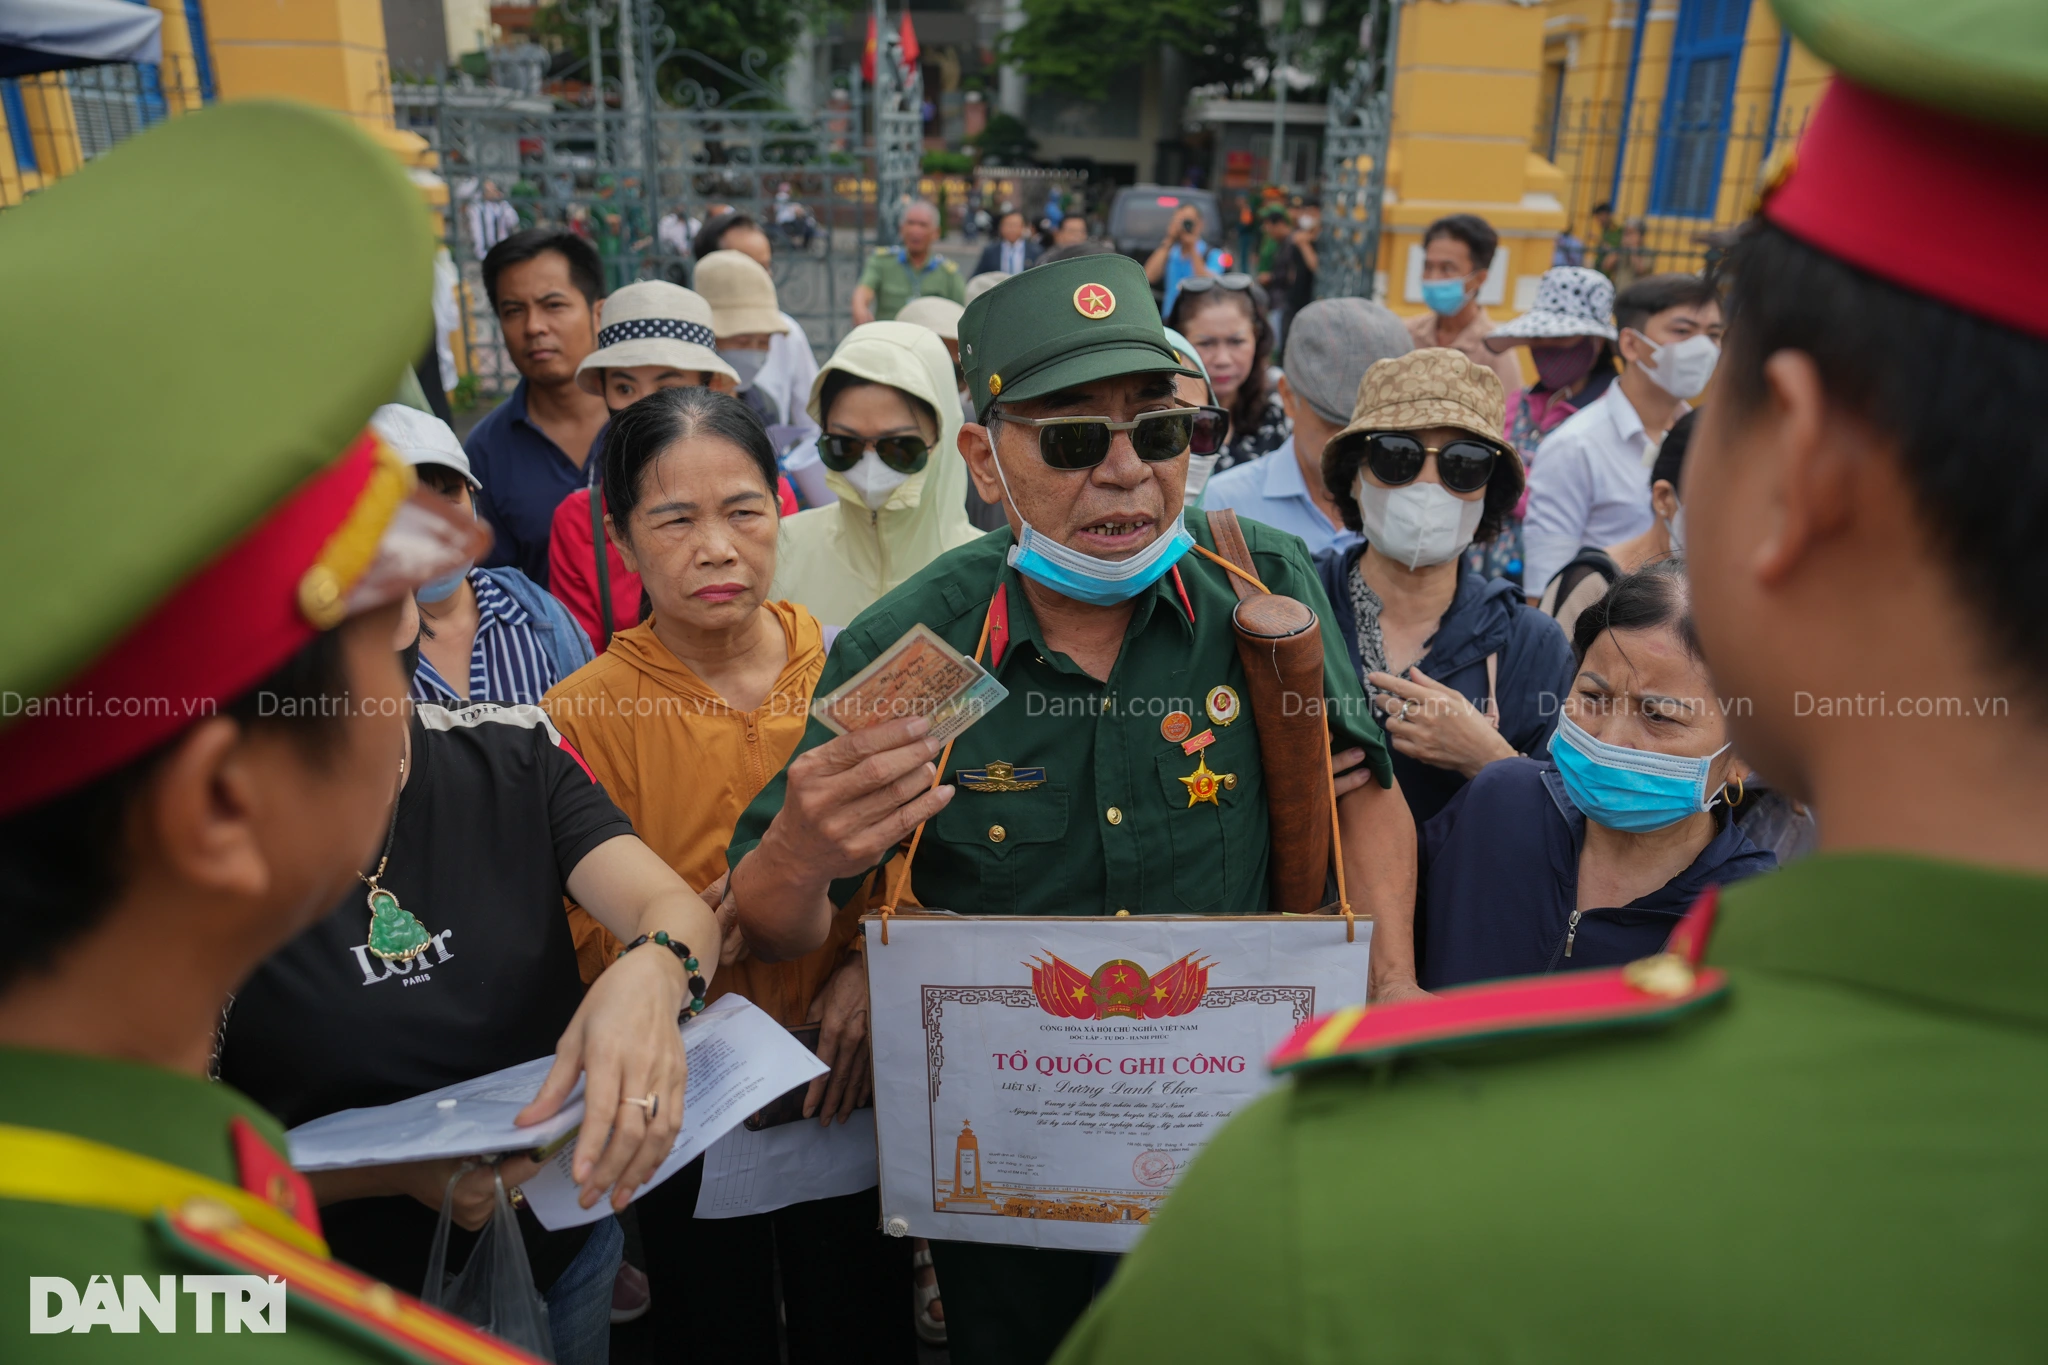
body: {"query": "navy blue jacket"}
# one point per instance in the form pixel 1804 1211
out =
pixel 1499 882
pixel 1535 673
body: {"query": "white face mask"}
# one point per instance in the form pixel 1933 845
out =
pixel 874 481
pixel 1417 524
pixel 747 363
pixel 1682 368
pixel 1676 530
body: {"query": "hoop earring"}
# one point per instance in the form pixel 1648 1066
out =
pixel 1740 789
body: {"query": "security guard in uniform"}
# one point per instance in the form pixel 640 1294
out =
pixel 1122 773
pixel 1823 1133
pixel 894 275
pixel 204 553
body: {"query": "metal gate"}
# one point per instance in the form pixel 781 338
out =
pixel 1355 161
pixel 664 134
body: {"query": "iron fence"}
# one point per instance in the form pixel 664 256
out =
pixel 59 120
pixel 634 154
pixel 1679 175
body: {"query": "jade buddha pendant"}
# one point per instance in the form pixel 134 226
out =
pixel 395 934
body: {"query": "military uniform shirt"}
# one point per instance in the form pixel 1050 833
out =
pixel 182 1120
pixel 1846 1159
pixel 1110 826
pixel 895 282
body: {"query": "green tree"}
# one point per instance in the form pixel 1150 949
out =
pixel 1004 141
pixel 1083 47
pixel 744 36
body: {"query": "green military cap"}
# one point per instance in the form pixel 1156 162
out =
pixel 203 320
pixel 1061 324
pixel 1981 59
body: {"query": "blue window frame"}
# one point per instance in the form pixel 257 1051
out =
pixel 202 52
pixel 1692 136
pixel 16 110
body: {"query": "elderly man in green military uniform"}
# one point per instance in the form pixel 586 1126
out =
pixel 1835 1146
pixel 205 715
pixel 894 275
pixel 1122 773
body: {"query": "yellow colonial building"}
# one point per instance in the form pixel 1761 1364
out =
pixel 327 52
pixel 1534 115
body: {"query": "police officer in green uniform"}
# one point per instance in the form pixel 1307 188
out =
pixel 894 275
pixel 203 560
pixel 1122 773
pixel 1835 1146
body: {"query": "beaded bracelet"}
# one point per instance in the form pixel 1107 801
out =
pixel 685 956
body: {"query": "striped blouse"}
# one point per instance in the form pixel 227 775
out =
pixel 507 663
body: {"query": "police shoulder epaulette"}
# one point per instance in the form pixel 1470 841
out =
pixel 1651 990
pixel 214 1234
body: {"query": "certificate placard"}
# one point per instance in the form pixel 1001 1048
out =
pixel 1044 1082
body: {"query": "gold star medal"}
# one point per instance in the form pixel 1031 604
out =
pixel 1203 785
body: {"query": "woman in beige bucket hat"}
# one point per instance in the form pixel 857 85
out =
pixel 1464 670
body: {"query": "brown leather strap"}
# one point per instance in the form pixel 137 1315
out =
pixel 1230 541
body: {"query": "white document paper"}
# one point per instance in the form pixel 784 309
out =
pixel 791 1163
pixel 739 1060
pixel 468 1118
pixel 1044 1082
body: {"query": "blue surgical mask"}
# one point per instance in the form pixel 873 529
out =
pixel 441 589
pixel 1085 577
pixel 1443 297
pixel 1632 790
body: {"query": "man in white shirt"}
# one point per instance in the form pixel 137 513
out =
pixel 1590 486
pixel 491 219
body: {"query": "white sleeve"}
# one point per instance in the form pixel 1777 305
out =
pixel 1554 527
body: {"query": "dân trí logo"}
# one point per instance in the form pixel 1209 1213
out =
pixel 1119 988
pixel 248 1303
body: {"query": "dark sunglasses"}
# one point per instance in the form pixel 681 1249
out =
pixel 1236 281
pixel 1396 457
pixel 904 454
pixel 1083 442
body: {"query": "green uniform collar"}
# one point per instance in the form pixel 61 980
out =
pixel 1952 936
pixel 173 1117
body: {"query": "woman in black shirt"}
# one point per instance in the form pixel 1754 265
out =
pixel 497 819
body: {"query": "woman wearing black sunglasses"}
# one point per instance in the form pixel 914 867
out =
pixel 1461 668
pixel 1224 318
pixel 891 416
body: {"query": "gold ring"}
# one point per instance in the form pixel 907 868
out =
pixel 1407 707
pixel 651 1102
pixel 518 1197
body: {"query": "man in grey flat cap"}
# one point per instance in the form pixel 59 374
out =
pixel 1330 345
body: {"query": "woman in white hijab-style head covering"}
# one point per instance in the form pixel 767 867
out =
pixel 891 416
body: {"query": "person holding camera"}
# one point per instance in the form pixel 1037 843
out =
pixel 1182 255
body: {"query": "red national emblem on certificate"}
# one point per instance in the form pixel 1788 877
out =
pixel 1119 988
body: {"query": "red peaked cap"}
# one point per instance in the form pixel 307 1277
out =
pixel 218 634
pixel 1879 183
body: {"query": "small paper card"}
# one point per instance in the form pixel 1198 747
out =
pixel 919 675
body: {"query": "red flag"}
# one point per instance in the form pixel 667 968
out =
pixel 867 53
pixel 910 48
pixel 1062 989
pixel 1177 989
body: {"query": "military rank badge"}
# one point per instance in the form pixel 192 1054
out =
pixel 999 776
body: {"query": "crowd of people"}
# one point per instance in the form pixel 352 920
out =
pixel 555 681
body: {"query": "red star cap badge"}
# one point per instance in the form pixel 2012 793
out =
pixel 1094 302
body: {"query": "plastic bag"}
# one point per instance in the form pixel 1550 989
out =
pixel 495 1290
